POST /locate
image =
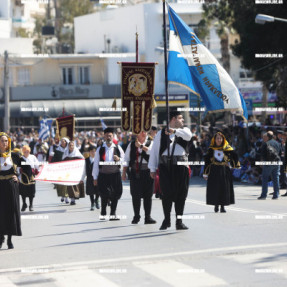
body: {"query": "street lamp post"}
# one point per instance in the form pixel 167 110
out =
pixel 262 18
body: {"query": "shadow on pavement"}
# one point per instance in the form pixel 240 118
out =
pixel 163 233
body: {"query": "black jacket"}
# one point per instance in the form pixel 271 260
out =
pixel 274 144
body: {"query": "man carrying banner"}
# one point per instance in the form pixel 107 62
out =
pixel 106 173
pixel 173 177
pixel 58 156
pixel 141 184
pixel 74 191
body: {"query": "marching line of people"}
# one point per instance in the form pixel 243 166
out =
pixel 150 160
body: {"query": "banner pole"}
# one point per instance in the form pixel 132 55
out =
pixel 165 73
pixel 137 46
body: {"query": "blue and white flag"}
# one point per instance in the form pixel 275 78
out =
pixel 103 124
pixel 45 126
pixel 191 65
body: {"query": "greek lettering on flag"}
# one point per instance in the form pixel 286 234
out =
pixel 45 126
pixel 190 64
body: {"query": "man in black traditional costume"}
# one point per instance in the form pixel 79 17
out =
pixel 107 175
pixel 58 156
pixel 91 189
pixel 10 220
pixel 173 173
pixel 141 184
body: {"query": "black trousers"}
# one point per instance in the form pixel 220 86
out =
pixel 174 183
pixel 141 186
pixel 111 188
pixel 94 198
pixel 104 203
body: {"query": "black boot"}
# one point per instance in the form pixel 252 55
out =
pixel 179 225
pixel 24 206
pixel 216 208
pixel 285 194
pixel 165 224
pixel 31 204
pixel 222 209
pixel 2 240
pixel 149 220
pixel 136 219
pixel 9 242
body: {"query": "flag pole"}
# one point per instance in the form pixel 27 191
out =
pixel 137 46
pixel 165 73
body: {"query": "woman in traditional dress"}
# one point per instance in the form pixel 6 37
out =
pixel 29 168
pixel 74 191
pixel 219 159
pixel 10 220
pixel 58 156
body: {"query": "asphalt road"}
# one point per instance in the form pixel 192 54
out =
pixel 65 245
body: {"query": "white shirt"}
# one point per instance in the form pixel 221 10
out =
pixel 183 133
pixel 109 157
pixel 51 150
pixel 128 153
pixel 8 161
pixel 30 160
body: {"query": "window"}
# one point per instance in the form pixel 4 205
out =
pixel 23 76
pixel 68 76
pixel 84 75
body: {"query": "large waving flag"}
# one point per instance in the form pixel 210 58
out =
pixel 45 126
pixel 191 65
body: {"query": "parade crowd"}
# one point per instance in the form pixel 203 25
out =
pixel 160 162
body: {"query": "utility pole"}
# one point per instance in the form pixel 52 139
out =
pixel 6 94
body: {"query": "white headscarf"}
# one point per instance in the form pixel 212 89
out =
pixel 63 149
pixel 74 153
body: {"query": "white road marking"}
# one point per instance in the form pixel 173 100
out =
pixel 77 265
pixel 87 278
pixel 261 262
pixel 178 274
pixel 237 209
pixel 6 282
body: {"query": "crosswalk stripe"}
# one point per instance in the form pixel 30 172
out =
pixel 261 262
pixel 178 274
pixel 6 282
pixel 76 278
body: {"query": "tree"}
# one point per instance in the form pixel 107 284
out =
pixel 262 39
pixel 66 11
pixel 39 23
pixel 218 13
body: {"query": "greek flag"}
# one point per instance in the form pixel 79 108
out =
pixel 45 126
pixel 191 65
pixel 104 126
